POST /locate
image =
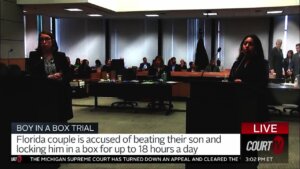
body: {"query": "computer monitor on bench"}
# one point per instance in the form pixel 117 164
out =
pixel 118 65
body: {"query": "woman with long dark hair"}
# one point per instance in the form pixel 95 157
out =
pixel 251 69
pixel 288 66
pixel 158 68
pixel 250 66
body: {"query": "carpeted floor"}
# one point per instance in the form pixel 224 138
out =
pixel 148 121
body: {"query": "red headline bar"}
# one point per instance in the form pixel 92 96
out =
pixel 265 128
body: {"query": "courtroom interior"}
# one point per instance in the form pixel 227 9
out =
pixel 152 67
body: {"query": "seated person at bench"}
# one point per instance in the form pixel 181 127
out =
pixel 145 65
pixel 158 68
pixel 212 67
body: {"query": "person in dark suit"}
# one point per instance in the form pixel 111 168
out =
pixel 251 69
pixel 289 66
pixel 97 67
pixel 43 96
pixel 46 63
pixel 158 68
pixel 192 68
pixel 84 70
pixel 72 67
pixel 172 66
pixel 158 71
pixel 145 65
pixel 276 59
pixel 182 65
pixel 250 66
pixel 296 60
pixel 107 67
pixel 212 67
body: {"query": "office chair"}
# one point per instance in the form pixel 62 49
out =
pixel 274 109
pixel 293 109
pixel 160 104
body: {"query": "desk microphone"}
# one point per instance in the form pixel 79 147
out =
pixel 242 61
pixel 218 51
pixel 8 55
pixel 202 71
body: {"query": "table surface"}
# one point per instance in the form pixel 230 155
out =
pixel 284 93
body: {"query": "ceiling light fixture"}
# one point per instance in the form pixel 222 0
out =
pixel 274 12
pixel 94 15
pixel 73 9
pixel 210 13
pixel 152 15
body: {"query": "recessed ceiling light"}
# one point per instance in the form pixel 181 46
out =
pixel 152 15
pixel 94 15
pixel 24 11
pixel 210 13
pixel 73 9
pixel 274 12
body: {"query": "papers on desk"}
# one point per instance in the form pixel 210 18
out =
pixel 134 81
pixel 288 84
pixel 171 82
pixel 114 81
pixel 147 82
pixel 104 81
pixel 283 85
pixel 153 82
pixel 77 83
pixel 74 84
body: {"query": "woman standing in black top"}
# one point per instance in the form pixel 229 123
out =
pixel 250 66
pixel 251 69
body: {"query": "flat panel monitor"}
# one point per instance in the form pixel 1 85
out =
pixel 117 64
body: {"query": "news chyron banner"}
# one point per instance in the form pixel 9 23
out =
pixel 81 143
pixel 265 142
